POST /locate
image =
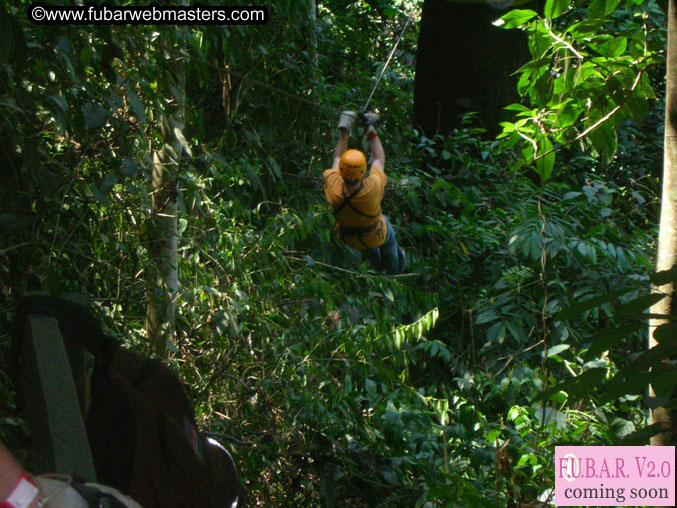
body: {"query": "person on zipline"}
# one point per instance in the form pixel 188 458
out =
pixel 356 201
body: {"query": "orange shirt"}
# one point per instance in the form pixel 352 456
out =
pixel 365 210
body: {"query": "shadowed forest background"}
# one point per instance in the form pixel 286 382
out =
pixel 530 233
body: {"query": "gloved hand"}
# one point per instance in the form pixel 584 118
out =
pixel 368 119
pixel 347 120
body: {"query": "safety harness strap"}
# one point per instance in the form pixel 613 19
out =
pixel 347 201
pixel 352 230
pixel 355 230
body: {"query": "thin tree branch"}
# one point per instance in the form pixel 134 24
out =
pixel 562 41
pixel 596 124
pixel 532 141
pixel 357 274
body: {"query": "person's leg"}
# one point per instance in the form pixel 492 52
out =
pixel 392 257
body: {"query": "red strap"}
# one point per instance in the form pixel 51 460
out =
pixel 23 493
pixel 372 135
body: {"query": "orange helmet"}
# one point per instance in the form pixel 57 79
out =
pixel 353 165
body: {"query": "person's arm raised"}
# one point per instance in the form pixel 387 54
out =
pixel 341 147
pixel 377 153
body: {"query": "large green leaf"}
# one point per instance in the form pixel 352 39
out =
pixel 664 277
pixel 10 102
pixel 578 307
pixel 640 437
pixel 639 304
pixel 59 108
pixel 129 167
pixel 95 115
pixel 546 162
pixel 665 333
pixel 567 114
pixel 614 47
pixel 602 8
pixel 604 140
pixel 637 107
pixel 556 350
pixel 663 379
pixel 554 8
pixel 515 18
pixel 648 359
pixel 584 28
pixel 606 339
pixel 182 141
pixel 576 387
pixel 137 105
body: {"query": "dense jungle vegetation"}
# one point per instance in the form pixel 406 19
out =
pixel 517 324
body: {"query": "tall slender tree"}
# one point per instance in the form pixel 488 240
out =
pixel 312 22
pixel 667 236
pixel 164 283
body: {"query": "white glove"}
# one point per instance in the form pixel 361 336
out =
pixel 347 120
pixel 369 119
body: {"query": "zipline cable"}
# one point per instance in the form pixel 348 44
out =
pixel 182 54
pixel 385 66
pixel 283 92
pixel 293 95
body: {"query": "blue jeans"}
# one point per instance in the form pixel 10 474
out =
pixel 388 256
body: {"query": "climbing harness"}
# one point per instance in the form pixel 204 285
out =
pixel 347 201
pixel 358 231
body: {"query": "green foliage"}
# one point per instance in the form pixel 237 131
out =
pixel 334 385
pixel 584 81
pixel 633 375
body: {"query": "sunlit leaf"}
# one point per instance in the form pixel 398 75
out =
pixel 545 162
pixel 555 350
pixel 554 8
pixel 515 18
pixel 602 8
pixel 612 48
pixel 182 141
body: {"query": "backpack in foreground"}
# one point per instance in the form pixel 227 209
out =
pixel 140 423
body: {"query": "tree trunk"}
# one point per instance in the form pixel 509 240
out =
pixel 164 256
pixel 464 64
pixel 312 19
pixel 667 235
pixel 164 278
